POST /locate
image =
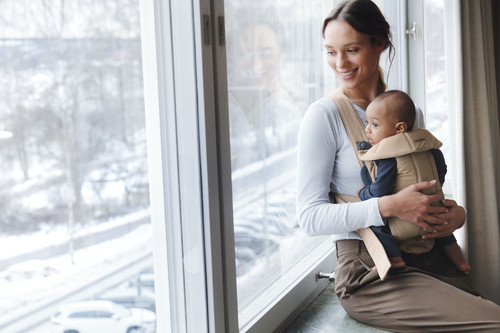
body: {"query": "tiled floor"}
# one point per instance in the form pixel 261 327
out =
pixel 326 315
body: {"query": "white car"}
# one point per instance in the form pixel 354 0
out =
pixel 143 281
pixel 130 298
pixel 102 316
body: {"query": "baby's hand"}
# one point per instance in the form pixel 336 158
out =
pixel 359 189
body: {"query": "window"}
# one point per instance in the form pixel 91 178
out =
pixel 435 79
pixel 434 60
pixel 103 314
pixel 433 84
pixel 202 180
pixel 275 69
pixel 74 217
pixel 225 86
pixel 246 208
pixel 85 314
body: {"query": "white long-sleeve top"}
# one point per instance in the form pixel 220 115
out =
pixel 327 162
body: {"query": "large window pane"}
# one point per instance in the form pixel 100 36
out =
pixel 275 70
pixel 74 217
pixel 436 95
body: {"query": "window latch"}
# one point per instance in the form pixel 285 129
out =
pixel 222 33
pixel 323 275
pixel 206 29
pixel 412 31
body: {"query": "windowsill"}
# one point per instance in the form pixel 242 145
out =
pixel 296 286
pixel 325 314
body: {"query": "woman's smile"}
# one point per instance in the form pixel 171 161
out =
pixel 349 74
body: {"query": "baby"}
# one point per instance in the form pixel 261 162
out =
pixel 389 116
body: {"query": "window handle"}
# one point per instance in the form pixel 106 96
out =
pixel 222 32
pixel 206 29
pixel 412 31
pixel 323 275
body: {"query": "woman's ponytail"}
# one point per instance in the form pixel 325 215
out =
pixel 381 86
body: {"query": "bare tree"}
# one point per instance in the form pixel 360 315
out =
pixel 75 102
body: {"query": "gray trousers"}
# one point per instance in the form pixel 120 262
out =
pixel 429 295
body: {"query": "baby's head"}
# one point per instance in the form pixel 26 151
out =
pixel 392 112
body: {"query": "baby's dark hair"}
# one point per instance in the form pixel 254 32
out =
pixel 403 106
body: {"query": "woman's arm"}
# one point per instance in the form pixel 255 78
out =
pixel 326 161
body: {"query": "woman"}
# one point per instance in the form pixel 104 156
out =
pixel 429 294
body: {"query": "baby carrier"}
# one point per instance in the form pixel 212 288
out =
pixel 408 234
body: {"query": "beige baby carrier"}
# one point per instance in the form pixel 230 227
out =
pixel 415 163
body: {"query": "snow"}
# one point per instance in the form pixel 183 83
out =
pixel 24 284
pixel 11 246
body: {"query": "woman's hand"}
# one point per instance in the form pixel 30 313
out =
pixel 412 205
pixel 455 217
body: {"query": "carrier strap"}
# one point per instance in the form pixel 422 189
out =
pixel 356 133
pixel 352 122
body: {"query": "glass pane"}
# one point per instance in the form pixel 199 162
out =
pixel 436 96
pixel 74 217
pixel 275 70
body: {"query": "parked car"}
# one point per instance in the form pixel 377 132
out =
pixel 101 316
pixel 142 281
pixel 130 298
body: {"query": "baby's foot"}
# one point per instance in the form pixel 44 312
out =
pixel 397 261
pixel 464 268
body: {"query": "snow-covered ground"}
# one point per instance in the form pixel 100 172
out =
pixel 11 246
pixel 264 251
pixel 31 282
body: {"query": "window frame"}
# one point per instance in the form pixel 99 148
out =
pixel 182 78
pixel 397 72
pixel 179 74
pixel 162 197
pixel 455 179
pixel 417 89
pixel 175 77
pixel 290 301
pixel 416 53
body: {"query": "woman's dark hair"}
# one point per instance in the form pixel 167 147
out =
pixel 365 17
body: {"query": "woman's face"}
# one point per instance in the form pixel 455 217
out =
pixel 352 55
pixel 258 56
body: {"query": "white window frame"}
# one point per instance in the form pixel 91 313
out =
pixel 182 73
pixel 455 179
pixel 416 82
pixel 397 73
pixel 416 55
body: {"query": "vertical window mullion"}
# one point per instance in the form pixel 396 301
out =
pixel 215 168
pixel 222 295
pixel 453 54
pixel 184 126
pixel 186 140
pixel 189 97
pixel 163 167
pixel 397 71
